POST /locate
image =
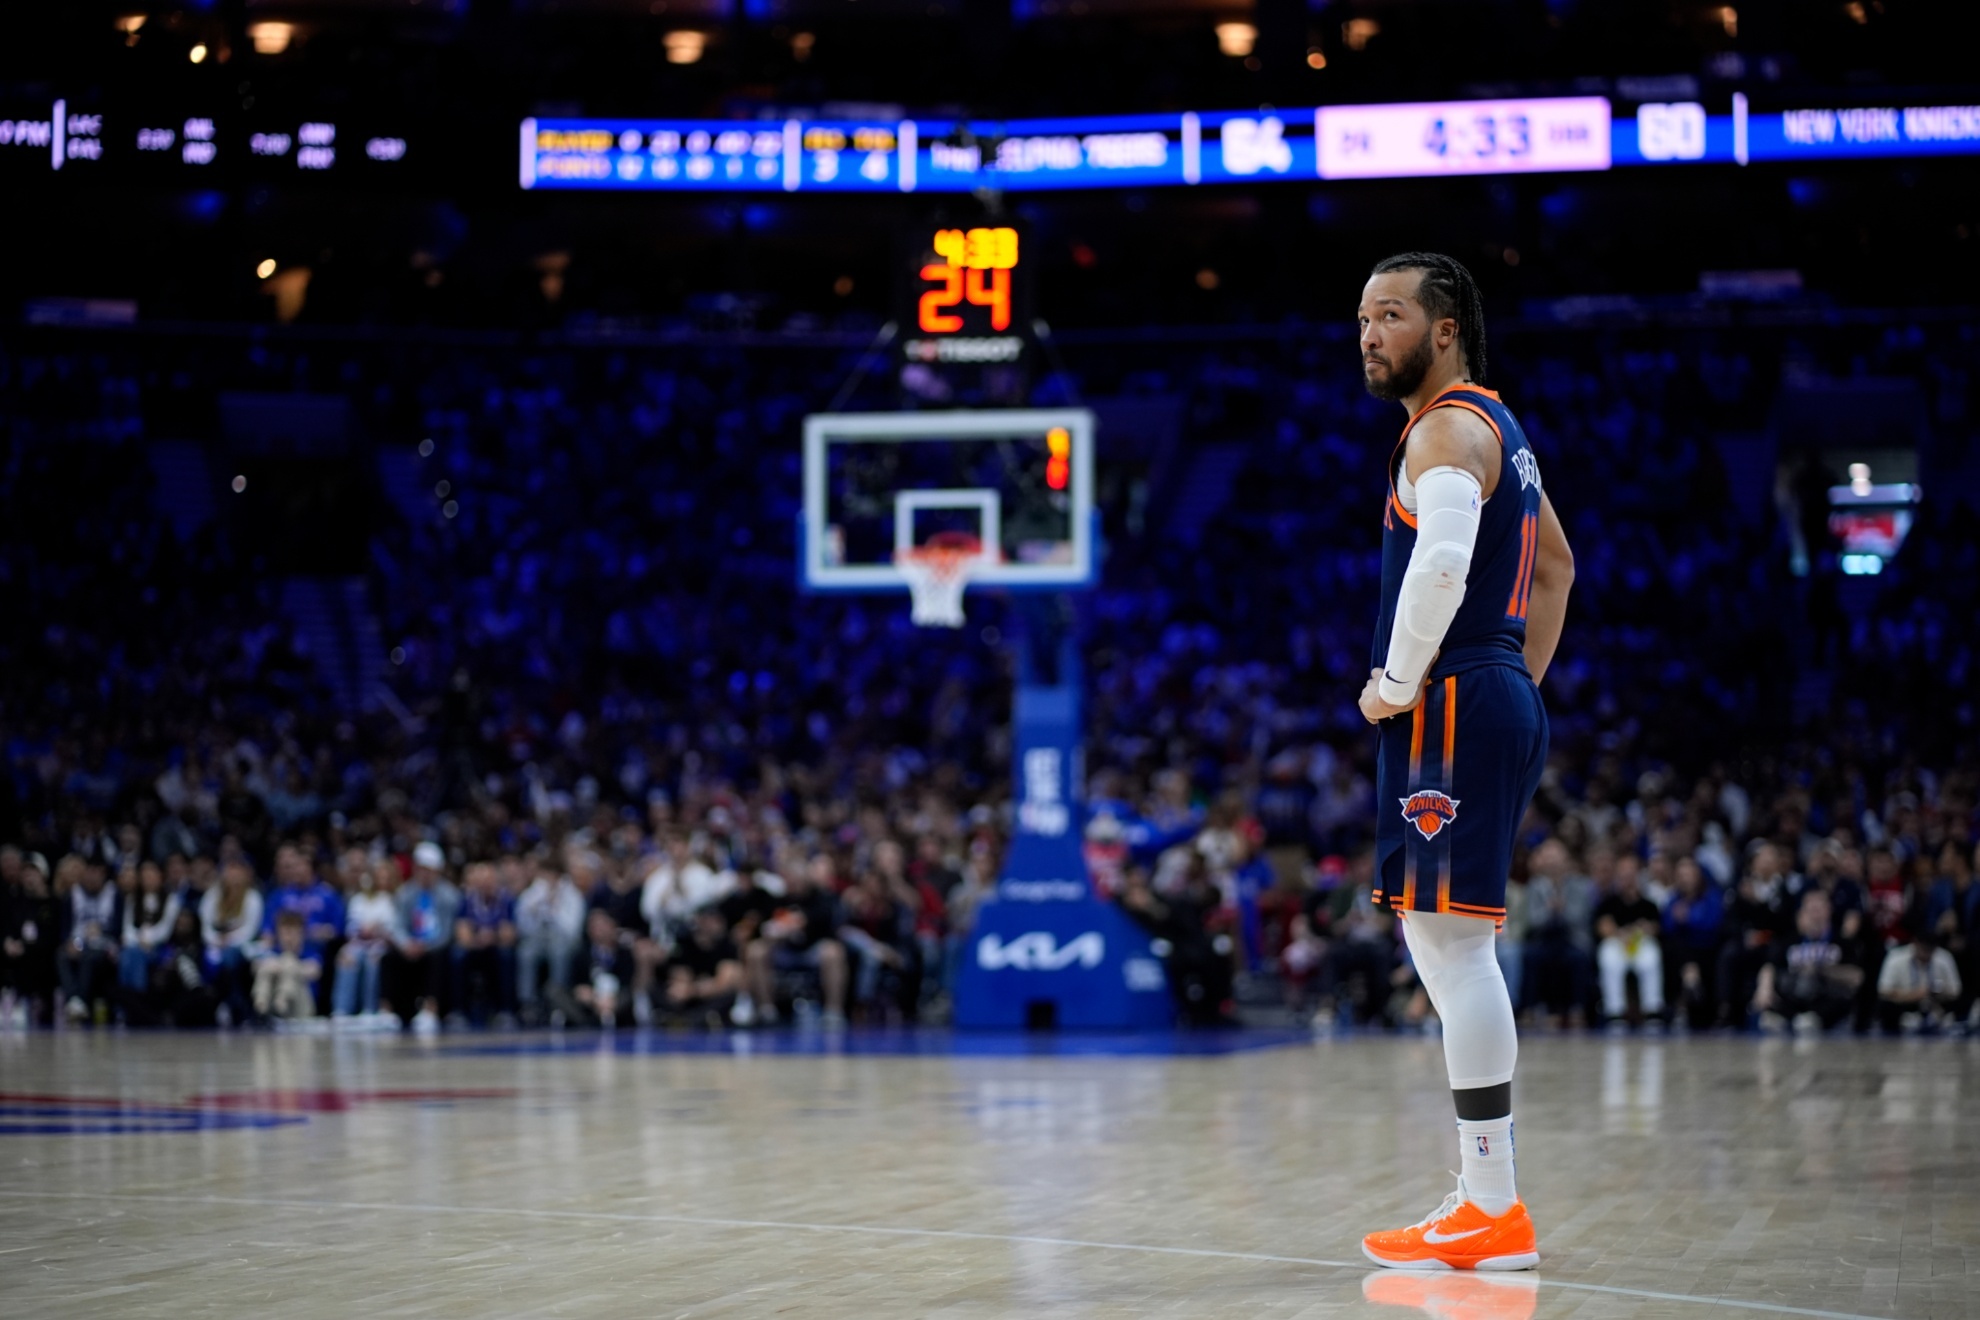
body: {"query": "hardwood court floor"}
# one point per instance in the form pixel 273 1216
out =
pixel 925 1176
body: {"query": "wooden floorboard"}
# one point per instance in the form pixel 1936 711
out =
pixel 159 1175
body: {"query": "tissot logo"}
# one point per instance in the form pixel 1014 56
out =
pixel 1038 951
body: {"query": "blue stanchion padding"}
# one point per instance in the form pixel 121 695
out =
pixel 1051 942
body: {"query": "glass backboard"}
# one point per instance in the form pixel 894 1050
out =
pixel 1016 484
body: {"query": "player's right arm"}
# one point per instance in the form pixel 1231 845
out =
pixel 1553 575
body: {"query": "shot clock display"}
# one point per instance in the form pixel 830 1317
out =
pixel 967 295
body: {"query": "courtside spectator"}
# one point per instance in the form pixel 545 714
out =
pixel 801 937
pixel 285 977
pixel 705 973
pixel 150 913
pixel 484 951
pixel 1626 924
pixel 181 993
pixel 1917 987
pixel 611 886
pixel 549 930
pixel 1810 982
pixel 606 968
pixel 230 922
pixel 87 963
pixel 416 969
pixel 298 889
pixel 680 886
pixel 1757 919
pixel 1952 914
pixel 371 920
pixel 1560 960
pixel 30 930
pixel 1694 923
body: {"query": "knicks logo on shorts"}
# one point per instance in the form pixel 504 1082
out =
pixel 1429 811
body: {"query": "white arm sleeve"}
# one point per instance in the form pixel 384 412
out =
pixel 1447 503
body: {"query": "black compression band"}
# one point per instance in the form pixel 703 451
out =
pixel 1482 1104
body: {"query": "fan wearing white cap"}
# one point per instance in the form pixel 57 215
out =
pixel 415 971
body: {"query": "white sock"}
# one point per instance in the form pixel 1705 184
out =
pixel 1487 1147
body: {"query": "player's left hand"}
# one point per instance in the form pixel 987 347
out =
pixel 1375 710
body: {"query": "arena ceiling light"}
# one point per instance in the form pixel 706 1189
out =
pixel 1237 39
pixel 271 38
pixel 685 46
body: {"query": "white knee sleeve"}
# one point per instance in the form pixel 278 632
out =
pixel 1455 957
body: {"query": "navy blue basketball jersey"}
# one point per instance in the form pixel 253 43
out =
pixel 1490 627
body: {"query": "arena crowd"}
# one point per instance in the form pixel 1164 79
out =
pixel 627 775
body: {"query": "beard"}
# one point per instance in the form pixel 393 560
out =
pixel 1402 378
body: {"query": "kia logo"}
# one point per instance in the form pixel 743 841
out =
pixel 1038 951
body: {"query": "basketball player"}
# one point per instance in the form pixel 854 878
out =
pixel 1475 576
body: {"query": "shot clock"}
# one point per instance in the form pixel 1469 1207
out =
pixel 968 298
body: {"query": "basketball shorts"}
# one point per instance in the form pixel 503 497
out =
pixel 1453 780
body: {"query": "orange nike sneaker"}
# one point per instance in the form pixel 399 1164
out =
pixel 1459 1236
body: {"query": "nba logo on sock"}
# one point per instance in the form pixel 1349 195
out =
pixel 1429 811
pixel 1484 1147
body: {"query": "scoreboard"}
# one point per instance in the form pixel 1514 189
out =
pixel 190 143
pixel 1427 139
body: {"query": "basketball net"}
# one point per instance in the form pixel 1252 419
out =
pixel 937 574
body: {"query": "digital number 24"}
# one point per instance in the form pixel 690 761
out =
pixel 982 288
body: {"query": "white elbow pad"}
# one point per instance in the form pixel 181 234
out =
pixel 1447 501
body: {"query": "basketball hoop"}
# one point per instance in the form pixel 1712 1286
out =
pixel 936 573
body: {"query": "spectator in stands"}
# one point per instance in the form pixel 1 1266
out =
pixel 150 913
pixel 917 890
pixel 1694 917
pixel 298 889
pixel 549 931
pixel 1810 981
pixel 705 973
pixel 680 886
pixel 1952 914
pixel 801 937
pixel 230 922
pixel 87 963
pixel 1917 987
pixel 285 976
pixel 416 969
pixel 371 923
pixel 878 927
pixel 484 950
pixel 1626 926
pixel 1192 933
pixel 1358 972
pixel 1560 940
pixel 1510 946
pixel 181 994
pixel 1757 919
pixel 612 886
pixel 607 967
pixel 30 930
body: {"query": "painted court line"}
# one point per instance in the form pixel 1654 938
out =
pixel 605 1216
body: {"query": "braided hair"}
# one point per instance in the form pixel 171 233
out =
pixel 1447 290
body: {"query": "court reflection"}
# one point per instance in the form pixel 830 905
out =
pixel 1460 1295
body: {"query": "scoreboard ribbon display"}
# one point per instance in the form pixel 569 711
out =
pixel 1532 135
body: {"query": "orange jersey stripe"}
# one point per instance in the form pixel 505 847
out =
pixel 1415 773
pixel 1450 770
